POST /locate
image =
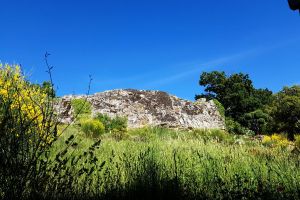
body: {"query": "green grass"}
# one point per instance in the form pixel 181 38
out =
pixel 160 163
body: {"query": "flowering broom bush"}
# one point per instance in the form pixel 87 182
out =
pixel 276 140
pixel 27 104
pixel 27 130
pixel 92 127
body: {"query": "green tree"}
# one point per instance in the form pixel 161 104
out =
pixel 257 121
pixel 286 111
pixel 236 93
pixel 47 87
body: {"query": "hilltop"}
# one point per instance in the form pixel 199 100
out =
pixel 146 107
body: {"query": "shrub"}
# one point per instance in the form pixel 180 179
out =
pixel 22 101
pixel 117 124
pixel 256 121
pixel 236 128
pixel 92 127
pixel 29 168
pixel 105 120
pixel 81 107
pixel 220 107
pixel 27 130
pixel 276 140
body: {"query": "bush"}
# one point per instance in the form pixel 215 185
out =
pixel 81 107
pixel 234 127
pixel 220 107
pixel 92 127
pixel 105 120
pixel 275 140
pixel 117 124
pixel 257 121
pixel 28 129
pixel 29 133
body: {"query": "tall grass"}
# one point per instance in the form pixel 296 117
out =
pixel 155 163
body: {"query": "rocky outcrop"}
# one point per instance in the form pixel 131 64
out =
pixel 154 108
pixel 64 110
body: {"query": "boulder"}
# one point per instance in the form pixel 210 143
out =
pixel 152 108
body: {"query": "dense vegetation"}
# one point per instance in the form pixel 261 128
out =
pixel 258 110
pixel 99 157
pixel 152 163
pixel 27 129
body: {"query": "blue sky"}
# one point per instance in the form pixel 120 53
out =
pixel 157 44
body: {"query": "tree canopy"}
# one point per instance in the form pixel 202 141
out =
pixel 285 110
pixel 236 93
pixel 256 109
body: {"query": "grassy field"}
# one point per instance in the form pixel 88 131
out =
pixel 157 163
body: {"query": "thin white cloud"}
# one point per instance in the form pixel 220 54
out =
pixel 200 67
pixel 222 60
pixel 190 68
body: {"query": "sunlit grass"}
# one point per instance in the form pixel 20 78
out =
pixel 153 162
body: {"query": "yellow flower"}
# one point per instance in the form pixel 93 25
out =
pixel 266 139
pixel 30 100
pixel 276 140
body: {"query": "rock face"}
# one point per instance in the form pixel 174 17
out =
pixel 154 108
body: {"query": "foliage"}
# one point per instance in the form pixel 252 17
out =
pixel 92 127
pixel 105 120
pixel 214 82
pixel 47 87
pixel 285 110
pixel 276 140
pixel 235 92
pixel 257 121
pixel 255 109
pixel 32 167
pixel 17 95
pixel 37 162
pixel 81 107
pixel 116 124
pixel 25 105
pixel 174 164
pixel 220 107
pixel 27 131
pixel 119 124
pixel 234 127
pixel 68 169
